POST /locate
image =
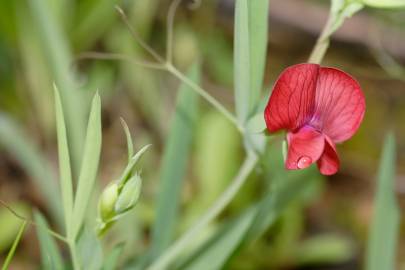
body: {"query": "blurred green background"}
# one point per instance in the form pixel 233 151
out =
pixel 42 42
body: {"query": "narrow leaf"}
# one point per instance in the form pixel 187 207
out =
pixel 128 170
pixel 217 250
pixel 89 167
pixel 13 248
pixel 250 45
pixel 242 60
pixel 64 161
pixel 130 144
pixel 50 256
pixel 111 260
pixel 258 29
pixel 175 159
pixel 58 57
pixel 384 231
pixel 220 247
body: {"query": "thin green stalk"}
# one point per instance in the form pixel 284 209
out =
pixel 204 94
pixel 17 215
pixel 73 254
pixel 14 246
pixel 322 43
pixel 181 244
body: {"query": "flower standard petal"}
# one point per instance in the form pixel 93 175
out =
pixel 339 104
pixel 328 163
pixel 304 148
pixel 291 103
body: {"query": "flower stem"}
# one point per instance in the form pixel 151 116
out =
pixel 322 43
pixel 174 250
pixel 73 254
pixel 204 94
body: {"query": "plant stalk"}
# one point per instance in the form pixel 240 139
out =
pixel 174 250
pixel 322 43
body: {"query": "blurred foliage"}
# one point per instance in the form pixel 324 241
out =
pixel 40 43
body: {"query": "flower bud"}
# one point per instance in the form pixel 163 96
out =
pixel 107 202
pixel 129 195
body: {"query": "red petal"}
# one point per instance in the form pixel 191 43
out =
pixel 292 101
pixel 339 104
pixel 328 164
pixel 304 148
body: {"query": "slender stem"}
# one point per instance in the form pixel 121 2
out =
pixel 17 215
pixel 322 43
pixel 73 254
pixel 170 27
pixel 188 237
pixel 205 95
pixel 119 57
pixel 14 246
pixel 137 37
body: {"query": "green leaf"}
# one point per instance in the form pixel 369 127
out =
pixel 175 159
pixel 242 60
pixel 89 167
pixel 50 255
pixel 385 3
pixel 89 250
pixel 258 28
pixel 24 150
pixel 249 54
pixel 220 247
pixel 10 254
pixel 130 144
pixel 64 161
pixel 384 231
pixel 111 260
pixel 131 164
pixel 231 236
pixel 58 56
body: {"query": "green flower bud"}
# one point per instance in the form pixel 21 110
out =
pixel 129 195
pixel 106 204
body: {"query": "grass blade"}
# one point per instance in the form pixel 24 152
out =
pixel 64 161
pixel 111 260
pixel 242 60
pixel 130 144
pixel 51 258
pixel 217 250
pixel 57 53
pixel 384 231
pixel 89 167
pixel 10 254
pixel 258 28
pixel 249 54
pixel 175 159
pixel 24 150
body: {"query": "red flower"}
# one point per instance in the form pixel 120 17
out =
pixel 319 107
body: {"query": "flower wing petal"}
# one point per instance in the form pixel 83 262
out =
pixel 339 104
pixel 329 162
pixel 304 148
pixel 292 101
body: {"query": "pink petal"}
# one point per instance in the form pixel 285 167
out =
pixel 328 164
pixel 304 148
pixel 339 105
pixel 292 101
